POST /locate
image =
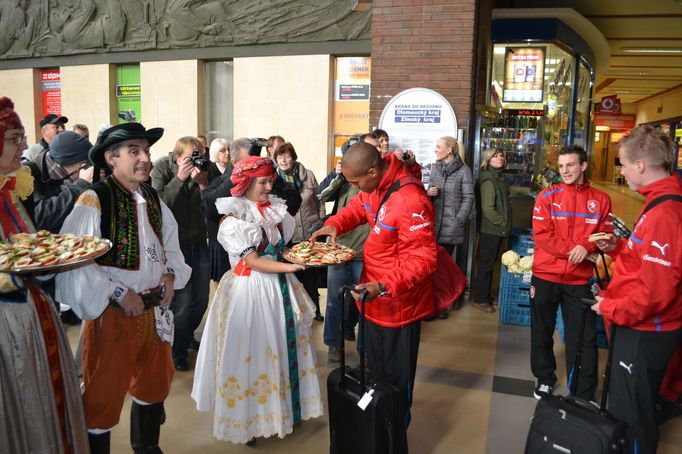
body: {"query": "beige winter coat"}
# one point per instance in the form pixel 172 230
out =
pixel 311 208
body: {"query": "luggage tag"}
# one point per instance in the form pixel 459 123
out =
pixel 526 277
pixel 366 399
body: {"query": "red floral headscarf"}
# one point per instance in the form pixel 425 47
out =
pixel 246 170
pixel 8 119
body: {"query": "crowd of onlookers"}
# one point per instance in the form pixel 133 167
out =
pixel 192 176
pixel 189 180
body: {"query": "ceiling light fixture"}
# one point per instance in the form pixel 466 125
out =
pixel 633 73
pixel 652 50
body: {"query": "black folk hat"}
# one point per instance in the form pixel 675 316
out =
pixel 52 119
pixel 121 133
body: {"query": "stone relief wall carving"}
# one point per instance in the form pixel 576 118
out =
pixel 42 28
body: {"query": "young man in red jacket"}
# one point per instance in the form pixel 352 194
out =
pixel 644 298
pixel 399 256
pixel 564 216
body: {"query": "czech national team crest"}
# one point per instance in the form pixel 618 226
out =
pixel 592 206
pixel 382 213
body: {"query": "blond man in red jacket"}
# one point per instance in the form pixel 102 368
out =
pixel 644 298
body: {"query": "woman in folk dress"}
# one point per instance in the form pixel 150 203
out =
pixel 256 367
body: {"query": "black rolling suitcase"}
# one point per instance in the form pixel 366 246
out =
pixel 375 429
pixel 573 425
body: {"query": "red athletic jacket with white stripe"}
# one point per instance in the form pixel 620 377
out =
pixel 563 217
pixel 645 292
pixel 400 250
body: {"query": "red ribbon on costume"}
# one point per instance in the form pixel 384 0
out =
pixel 262 206
pixel 242 269
pixel 11 184
pixel 10 218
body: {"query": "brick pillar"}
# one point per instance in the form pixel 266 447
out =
pixel 425 43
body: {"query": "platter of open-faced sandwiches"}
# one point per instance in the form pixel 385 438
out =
pixel 44 251
pixel 318 254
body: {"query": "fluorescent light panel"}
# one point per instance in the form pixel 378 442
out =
pixel 652 50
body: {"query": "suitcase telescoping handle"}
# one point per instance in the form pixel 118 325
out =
pixel 609 358
pixel 343 291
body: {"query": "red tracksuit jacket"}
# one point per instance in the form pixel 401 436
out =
pixel 646 290
pixel 563 217
pixel 400 250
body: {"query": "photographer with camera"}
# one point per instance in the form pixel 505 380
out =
pixel 179 179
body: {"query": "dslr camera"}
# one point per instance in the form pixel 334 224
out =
pixel 257 145
pixel 199 162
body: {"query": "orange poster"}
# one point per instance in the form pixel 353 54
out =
pixel 351 95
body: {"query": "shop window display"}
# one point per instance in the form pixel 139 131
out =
pixel 531 118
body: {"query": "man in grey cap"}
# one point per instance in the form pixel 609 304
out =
pixel 50 127
pixel 60 174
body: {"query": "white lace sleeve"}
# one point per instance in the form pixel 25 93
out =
pixel 238 237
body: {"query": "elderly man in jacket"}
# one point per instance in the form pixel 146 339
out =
pixel 124 295
pixel 50 127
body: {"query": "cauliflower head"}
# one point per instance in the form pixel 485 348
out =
pixel 526 263
pixel 514 268
pixel 510 258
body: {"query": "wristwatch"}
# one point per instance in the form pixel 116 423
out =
pixel 382 289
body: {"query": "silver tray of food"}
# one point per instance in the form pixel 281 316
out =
pixel 318 254
pixel 45 252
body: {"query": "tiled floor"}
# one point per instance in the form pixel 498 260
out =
pixel 472 396
pixel 624 203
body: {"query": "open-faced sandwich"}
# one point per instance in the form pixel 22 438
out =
pixel 598 236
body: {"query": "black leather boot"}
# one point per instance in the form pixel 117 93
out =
pixel 145 427
pixel 99 444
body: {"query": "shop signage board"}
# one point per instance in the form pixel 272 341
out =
pixel 524 74
pixel 127 90
pixel 608 104
pixel 415 119
pixel 351 97
pixel 51 91
pixel 615 121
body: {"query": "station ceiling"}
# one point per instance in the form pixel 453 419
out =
pixel 644 38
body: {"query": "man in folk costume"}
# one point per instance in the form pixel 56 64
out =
pixel 40 405
pixel 124 296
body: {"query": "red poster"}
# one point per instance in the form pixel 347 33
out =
pixel 52 91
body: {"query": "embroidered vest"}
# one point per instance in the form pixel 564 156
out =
pixel 119 222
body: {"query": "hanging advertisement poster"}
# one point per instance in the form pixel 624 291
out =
pixel 50 80
pixel 128 93
pixel 524 74
pixel 351 99
pixel 415 119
